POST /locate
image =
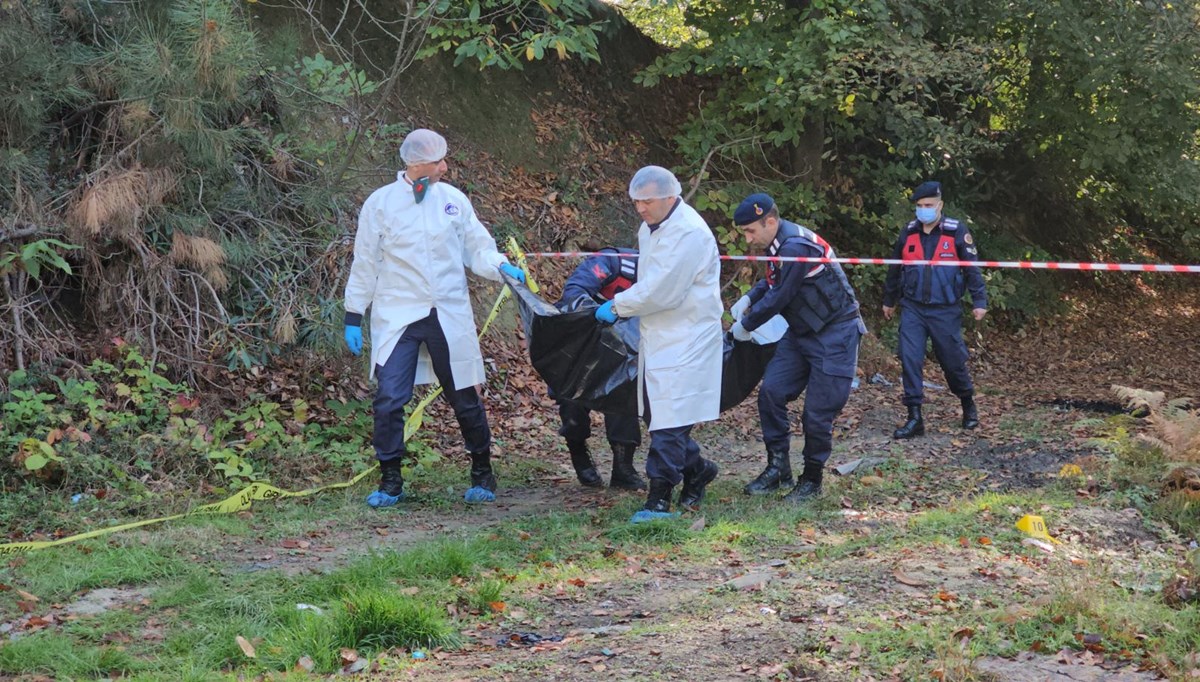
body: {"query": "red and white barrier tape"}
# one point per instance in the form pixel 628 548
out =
pixel 1018 264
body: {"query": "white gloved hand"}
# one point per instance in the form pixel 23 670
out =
pixel 740 308
pixel 739 332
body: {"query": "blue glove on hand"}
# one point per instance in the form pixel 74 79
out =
pixel 354 339
pixel 739 332
pixel 513 271
pixel 606 314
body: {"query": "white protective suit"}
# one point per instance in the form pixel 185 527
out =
pixel 410 258
pixel 677 299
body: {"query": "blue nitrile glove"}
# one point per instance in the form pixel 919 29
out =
pixel 606 314
pixel 739 332
pixel 513 271
pixel 354 339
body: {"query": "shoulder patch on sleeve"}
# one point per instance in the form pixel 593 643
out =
pixel 968 239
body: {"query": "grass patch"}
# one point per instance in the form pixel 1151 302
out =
pixel 57 574
pixel 369 621
pixel 49 653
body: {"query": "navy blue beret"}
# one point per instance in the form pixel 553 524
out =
pixel 752 209
pixel 931 188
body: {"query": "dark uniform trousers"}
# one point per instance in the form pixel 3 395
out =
pixel 396 378
pixel 942 325
pixel 577 424
pixel 822 365
pixel 672 451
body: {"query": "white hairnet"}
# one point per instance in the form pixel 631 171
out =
pixel 422 146
pixel 654 182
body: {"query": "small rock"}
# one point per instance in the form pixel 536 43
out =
pixel 833 601
pixel 750 581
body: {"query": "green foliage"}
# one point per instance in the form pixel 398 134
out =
pixel 55 426
pixel 663 20
pixel 1037 114
pixel 35 255
pixel 507 33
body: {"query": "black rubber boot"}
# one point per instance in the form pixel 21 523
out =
pixel 777 474
pixel 391 485
pixel 915 426
pixel 483 480
pixel 970 413
pixel 624 475
pixel 585 468
pixel 809 485
pixel 658 503
pixel 694 483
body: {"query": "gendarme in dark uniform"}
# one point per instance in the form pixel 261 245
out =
pixel 596 280
pixel 817 355
pixel 930 302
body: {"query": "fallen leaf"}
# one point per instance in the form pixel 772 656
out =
pixel 697 525
pixel 985 540
pixel 497 606
pixel 872 480
pixel 906 579
pixel 963 633
pixel 246 647
pixel 348 655
pixel 27 596
pixel 306 664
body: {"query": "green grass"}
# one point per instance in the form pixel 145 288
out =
pixel 57 574
pixel 387 599
pixel 62 655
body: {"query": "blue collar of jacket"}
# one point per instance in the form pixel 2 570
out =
pixel 655 226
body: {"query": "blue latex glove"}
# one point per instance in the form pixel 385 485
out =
pixel 739 332
pixel 354 339
pixel 606 314
pixel 513 271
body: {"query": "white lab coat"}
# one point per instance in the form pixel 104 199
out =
pixel 410 258
pixel 677 300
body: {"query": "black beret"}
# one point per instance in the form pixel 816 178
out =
pixel 931 188
pixel 752 209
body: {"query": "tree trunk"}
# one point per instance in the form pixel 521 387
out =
pixel 806 154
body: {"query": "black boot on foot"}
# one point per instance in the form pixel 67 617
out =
pixel 624 475
pixel 694 483
pixel 777 474
pixel 970 413
pixel 658 502
pixel 809 485
pixel 483 480
pixel 391 485
pixel 585 468
pixel 915 426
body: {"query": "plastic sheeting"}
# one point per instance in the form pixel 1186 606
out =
pixel 595 364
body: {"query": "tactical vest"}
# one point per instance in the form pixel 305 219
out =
pixel 623 276
pixel 826 294
pixel 932 284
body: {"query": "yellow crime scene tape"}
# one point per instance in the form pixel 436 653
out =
pixel 245 498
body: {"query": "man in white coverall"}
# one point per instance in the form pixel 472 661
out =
pixel 677 301
pixel 415 239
